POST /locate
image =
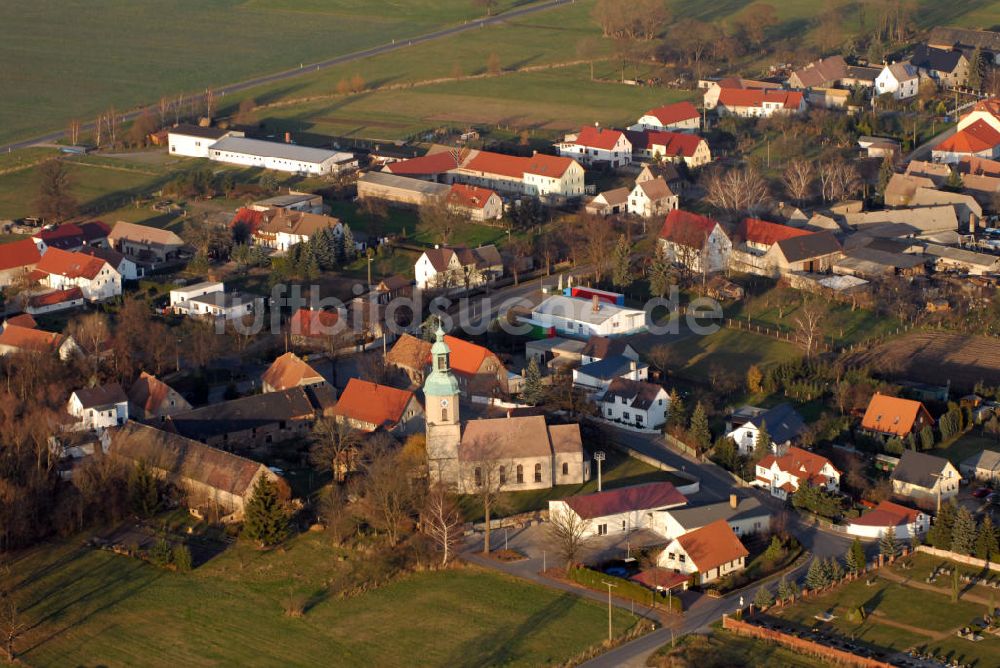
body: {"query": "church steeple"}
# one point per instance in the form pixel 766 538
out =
pixel 441 389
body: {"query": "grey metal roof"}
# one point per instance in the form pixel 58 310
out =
pixel 582 310
pixel 940 60
pixel 225 299
pixel 255 411
pixel 987 460
pixel 273 149
pixel 389 180
pixel 189 130
pixel 782 422
pixel 699 516
pixel 610 367
pixel 808 246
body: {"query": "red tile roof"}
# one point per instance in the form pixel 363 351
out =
pixel 762 232
pixel 18 254
pixel 22 320
pixel 893 415
pixel 471 197
pixel 290 371
pixel 25 338
pixel 515 167
pixel 369 402
pixel 712 545
pixel 888 514
pixel 660 578
pixel 686 228
pixel 598 137
pixel 978 137
pixel 432 163
pixel 754 97
pixel 674 113
pixel 803 464
pixel 313 324
pixel 71 265
pixel 674 143
pixel 149 392
pixel 55 297
pixel 627 499
pixel 466 357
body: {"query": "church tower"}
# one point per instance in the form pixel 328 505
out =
pixel 441 411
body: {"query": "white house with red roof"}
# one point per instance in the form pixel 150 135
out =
pixel 696 242
pixel 657 145
pixel 707 554
pixel 759 103
pixel 904 522
pixel 597 145
pixel 680 117
pixel 62 270
pixel 619 511
pixel 17 259
pixel 368 406
pixel 652 197
pixel 976 136
pixel 479 204
pixel 752 241
pixel 784 474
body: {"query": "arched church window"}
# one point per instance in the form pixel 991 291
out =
pixel 538 472
pixel 520 474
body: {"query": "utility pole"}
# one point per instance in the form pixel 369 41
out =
pixel 599 457
pixel 609 585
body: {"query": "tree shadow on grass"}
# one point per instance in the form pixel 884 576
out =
pixel 501 646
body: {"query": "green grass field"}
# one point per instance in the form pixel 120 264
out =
pixel 64 59
pixel 731 350
pixel 86 607
pixel 966 445
pixel 722 649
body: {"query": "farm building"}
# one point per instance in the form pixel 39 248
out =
pixel 281 157
pixel 193 141
pixel 619 510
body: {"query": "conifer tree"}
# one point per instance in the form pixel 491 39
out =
pixel 940 533
pixel 143 491
pixel 265 521
pixel 700 433
pixel 533 392
pixel 963 533
pixel 676 413
pixel 762 444
pixel 986 540
pixel 621 277
pixel 855 557
pixel 763 599
pixel 660 274
pixel 350 252
pixel 785 588
pixel 816 576
pixel 887 542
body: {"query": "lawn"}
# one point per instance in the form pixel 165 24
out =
pixel 87 607
pixel 722 649
pixel 730 350
pixel 618 470
pixel 966 445
pixel 51 72
pixel 898 617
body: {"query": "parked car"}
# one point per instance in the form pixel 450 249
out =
pixel 981 492
pixel 994 498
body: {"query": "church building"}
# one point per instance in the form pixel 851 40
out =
pixel 514 453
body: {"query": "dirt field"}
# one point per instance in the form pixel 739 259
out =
pixel 937 357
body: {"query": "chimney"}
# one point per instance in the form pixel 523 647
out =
pixel 509 411
pixel 733 501
pixel 596 304
pixel 634 368
pixel 437 246
pixel 288 137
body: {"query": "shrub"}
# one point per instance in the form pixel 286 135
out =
pixel 182 558
pixel 622 588
pixel 161 554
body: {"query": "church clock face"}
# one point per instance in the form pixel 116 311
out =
pixel 444 403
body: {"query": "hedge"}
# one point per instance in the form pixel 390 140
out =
pixel 622 588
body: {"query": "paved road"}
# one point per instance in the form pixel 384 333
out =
pixel 395 45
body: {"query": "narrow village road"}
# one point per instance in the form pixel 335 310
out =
pixel 310 68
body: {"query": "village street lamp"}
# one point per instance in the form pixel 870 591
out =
pixel 599 457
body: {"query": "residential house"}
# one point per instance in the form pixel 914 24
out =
pixel 934 223
pixel 746 516
pixel 985 189
pixel 145 244
pixel 634 403
pixel 947 67
pixel 192 141
pixel 458 267
pixel 609 203
pixel 823 73
pixel 652 198
pixel 783 424
pixel 554 352
pixel 967 40
pixel 97 280
pixel 670 147
pixel 668 171
pixel 903 521
pixel 179 297
pixel 72 236
pixel 597 146
pixel 281 156
pixel 677 117
pixel 860 76
pixel 550 178
pixel 617 511
pixel 316 329
pixel 56 300
pixel 784 474
pixel 983 466
pixel 924 479
pixel 127 268
pixel 696 242
pixel 758 103
pixel 987 111
pixel 479 371
pixel 215 483
pixel 583 318
pixel 248 423
pixel 934 171
pixel 282 229
pixel 596 377
pixel 902 80
pixel 98 407
pixel 814 253
pixel 880 147
pixel 209 299
pixel 478 204
pixel 602 347
pixel 902 187
pixel 150 399
pixel 17 339
pixel 400 190
pixel 978 166
pixel 713 89
pixel 707 554
pixel 977 140
pixel 288 371
pixel 17 260
pixel 894 416
pixel 368 407
pixel 752 241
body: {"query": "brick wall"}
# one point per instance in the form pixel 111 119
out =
pixel 800 645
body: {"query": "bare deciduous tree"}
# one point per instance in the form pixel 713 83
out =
pixel 390 497
pixel 91 331
pixel 441 521
pixel 55 201
pixel 838 179
pixel 485 476
pixel 335 447
pixel 808 322
pixel 439 219
pixel 597 238
pixel 738 191
pixel 569 534
pixel 798 179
